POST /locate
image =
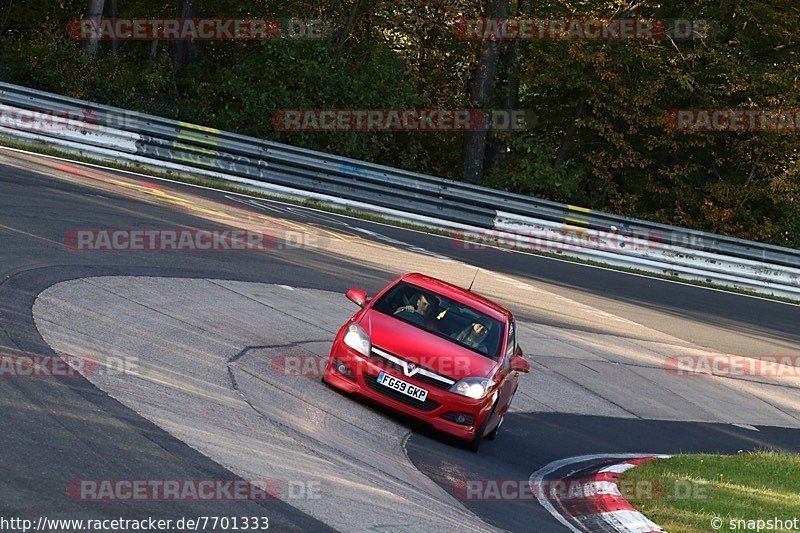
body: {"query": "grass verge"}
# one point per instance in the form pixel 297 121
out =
pixel 701 493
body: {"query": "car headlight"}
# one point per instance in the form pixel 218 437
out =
pixel 357 339
pixel 475 388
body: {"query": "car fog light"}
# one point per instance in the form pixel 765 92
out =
pixel 462 419
pixel 342 368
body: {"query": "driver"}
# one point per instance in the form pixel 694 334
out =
pixel 419 312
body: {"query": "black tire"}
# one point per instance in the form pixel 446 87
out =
pixel 475 443
pixel 493 433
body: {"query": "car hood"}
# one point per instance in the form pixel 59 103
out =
pixel 424 349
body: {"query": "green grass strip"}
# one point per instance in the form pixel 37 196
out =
pixel 694 493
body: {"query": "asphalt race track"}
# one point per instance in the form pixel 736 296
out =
pixel 211 331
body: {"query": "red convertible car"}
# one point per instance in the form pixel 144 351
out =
pixel 433 351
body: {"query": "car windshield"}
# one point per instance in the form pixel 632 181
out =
pixel 443 317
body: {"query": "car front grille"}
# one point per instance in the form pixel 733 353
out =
pixel 427 405
pixel 430 377
pixel 388 363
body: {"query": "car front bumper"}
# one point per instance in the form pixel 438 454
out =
pixel 440 410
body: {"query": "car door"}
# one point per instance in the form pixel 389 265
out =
pixel 507 378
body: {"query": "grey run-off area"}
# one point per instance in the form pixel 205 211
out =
pixel 208 371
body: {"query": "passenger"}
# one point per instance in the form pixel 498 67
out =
pixel 474 336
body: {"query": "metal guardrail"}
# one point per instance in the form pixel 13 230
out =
pixel 115 134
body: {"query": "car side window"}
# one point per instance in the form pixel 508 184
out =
pixel 511 345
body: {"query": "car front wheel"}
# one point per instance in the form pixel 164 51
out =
pixel 475 443
pixel 493 433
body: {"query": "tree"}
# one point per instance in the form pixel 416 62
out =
pixel 94 12
pixel 113 12
pixel 184 52
pixel 511 62
pixel 481 92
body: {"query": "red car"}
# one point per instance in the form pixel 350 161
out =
pixel 436 352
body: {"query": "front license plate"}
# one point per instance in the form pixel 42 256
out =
pixel 402 386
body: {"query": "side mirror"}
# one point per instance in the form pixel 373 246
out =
pixel 519 364
pixel 357 296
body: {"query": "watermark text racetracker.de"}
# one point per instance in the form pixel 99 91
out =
pixel 308 364
pixel 35 121
pixel 733 366
pixel 64 366
pixel 397 120
pixel 187 240
pixel 193 29
pixel 733 120
pixel 559 29
pixel 576 489
pixel 123 490
pixel 557 240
